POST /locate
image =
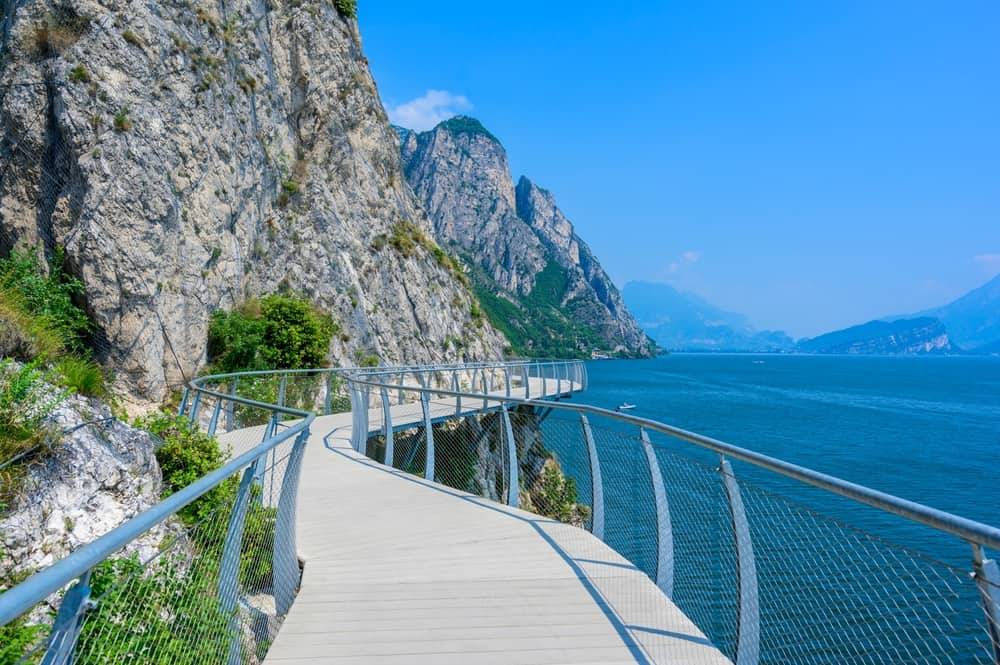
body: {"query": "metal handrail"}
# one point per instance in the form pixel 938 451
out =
pixel 39 586
pixel 970 530
pixel 36 588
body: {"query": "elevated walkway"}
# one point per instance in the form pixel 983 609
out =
pixel 402 570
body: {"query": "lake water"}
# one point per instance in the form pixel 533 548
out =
pixel 925 429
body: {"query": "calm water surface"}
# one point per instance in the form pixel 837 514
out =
pixel 926 429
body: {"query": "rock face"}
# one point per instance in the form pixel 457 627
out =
pixel 905 336
pixel 189 157
pixel 100 473
pixel 537 280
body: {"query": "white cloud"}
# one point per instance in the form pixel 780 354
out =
pixel 425 112
pixel 691 256
pixel 989 262
pixel 688 258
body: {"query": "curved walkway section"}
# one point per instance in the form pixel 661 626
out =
pixel 402 570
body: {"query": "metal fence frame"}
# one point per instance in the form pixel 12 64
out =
pixel 505 380
pixel 976 535
pixel 79 564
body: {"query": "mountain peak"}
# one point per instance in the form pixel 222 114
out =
pixel 463 124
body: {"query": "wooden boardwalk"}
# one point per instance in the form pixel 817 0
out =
pixel 398 570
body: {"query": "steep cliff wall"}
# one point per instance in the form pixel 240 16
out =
pixel 188 155
pixel 536 278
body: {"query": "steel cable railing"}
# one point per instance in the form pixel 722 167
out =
pixel 751 555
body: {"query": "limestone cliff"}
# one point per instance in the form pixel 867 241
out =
pixel 191 154
pixel 537 280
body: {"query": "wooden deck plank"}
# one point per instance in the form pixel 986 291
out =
pixel 402 570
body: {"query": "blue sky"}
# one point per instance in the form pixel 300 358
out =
pixel 812 165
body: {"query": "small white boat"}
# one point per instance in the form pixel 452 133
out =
pixel 625 406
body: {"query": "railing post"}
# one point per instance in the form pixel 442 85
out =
pixel 366 394
pixel 68 623
pixel 527 381
pixel 286 561
pixel 328 402
pixel 747 605
pixel 545 387
pixel 184 402
pixel 458 389
pixel 988 580
pixel 214 422
pixel 596 483
pixel 231 406
pixel 514 484
pixel 429 434
pixel 387 427
pixel 356 434
pixel 229 567
pixel 664 530
pixel 482 379
pixel 402 380
pixel 193 416
pixel 558 369
pixel 281 389
pixel 506 380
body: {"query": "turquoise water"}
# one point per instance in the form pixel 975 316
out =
pixel 925 429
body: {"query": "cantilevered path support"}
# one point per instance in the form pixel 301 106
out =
pixel 400 570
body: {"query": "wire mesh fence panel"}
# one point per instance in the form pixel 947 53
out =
pixel 563 487
pixel 830 592
pixel 199 587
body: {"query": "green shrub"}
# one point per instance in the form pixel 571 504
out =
pixel 24 403
pixel 555 496
pixel 186 455
pixel 23 336
pixel 79 74
pixel 82 376
pixel 168 613
pixel 132 38
pixel 346 8
pixel 123 121
pixel 296 334
pixel 47 294
pixel 16 639
pixel 275 332
pixel 365 359
pixel 234 339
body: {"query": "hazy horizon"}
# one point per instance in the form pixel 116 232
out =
pixel 811 170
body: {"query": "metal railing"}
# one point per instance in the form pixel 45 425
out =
pixel 764 563
pixel 204 576
pixel 207 574
pixel 777 564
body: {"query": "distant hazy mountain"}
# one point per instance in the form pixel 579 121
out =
pixel 685 322
pixel 903 336
pixel 973 321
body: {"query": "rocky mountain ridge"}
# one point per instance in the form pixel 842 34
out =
pixel 188 158
pixel 924 335
pixel 535 277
